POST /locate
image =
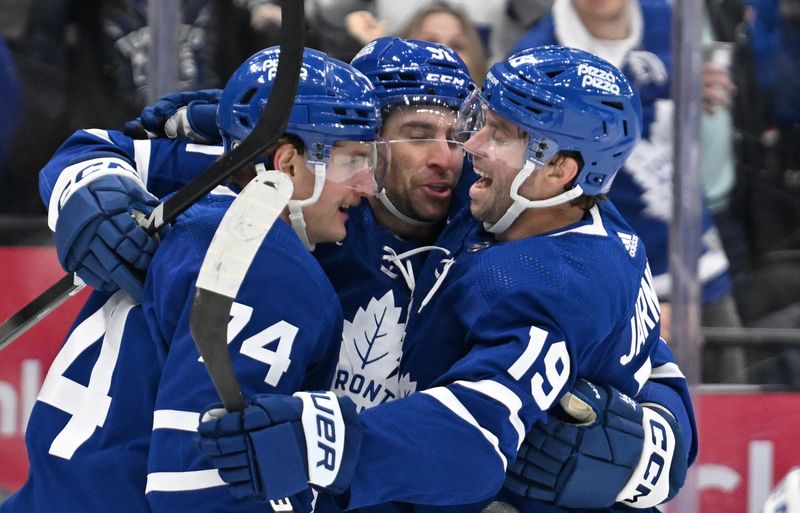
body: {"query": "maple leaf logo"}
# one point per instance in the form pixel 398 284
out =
pixel 650 164
pixel 370 353
pixel 406 386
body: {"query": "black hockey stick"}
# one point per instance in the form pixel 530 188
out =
pixel 263 137
pixel 235 242
pixel 227 260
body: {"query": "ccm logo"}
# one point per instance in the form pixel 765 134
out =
pixel 445 79
pixel 655 464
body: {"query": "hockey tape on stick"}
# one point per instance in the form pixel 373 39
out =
pixel 235 243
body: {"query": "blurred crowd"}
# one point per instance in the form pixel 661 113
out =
pixel 66 65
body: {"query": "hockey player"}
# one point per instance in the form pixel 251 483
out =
pixel 113 426
pixel 635 37
pixel 548 284
pixel 419 85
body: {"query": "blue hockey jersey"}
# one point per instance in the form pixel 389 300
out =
pixel 89 431
pixel 365 272
pixel 373 272
pixel 284 334
pixel 102 434
pixel 642 190
pixel 497 332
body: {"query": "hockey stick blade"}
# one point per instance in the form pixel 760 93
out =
pixel 265 134
pixel 235 243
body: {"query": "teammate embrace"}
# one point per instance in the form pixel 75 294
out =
pixel 480 331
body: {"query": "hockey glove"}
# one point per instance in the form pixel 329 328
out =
pixel 279 445
pixel 608 449
pixel 98 239
pixel 188 115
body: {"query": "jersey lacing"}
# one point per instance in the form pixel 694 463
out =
pixel 440 276
pixel 405 268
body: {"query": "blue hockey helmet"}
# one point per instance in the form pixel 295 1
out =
pixel 408 72
pixel 568 99
pixel 333 102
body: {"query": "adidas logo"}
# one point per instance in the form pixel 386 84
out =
pixel 631 242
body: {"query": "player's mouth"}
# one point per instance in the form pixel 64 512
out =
pixel 345 209
pixel 484 180
pixel 438 190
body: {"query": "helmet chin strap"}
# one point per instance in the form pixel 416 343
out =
pixel 296 218
pixel 386 202
pixel 521 203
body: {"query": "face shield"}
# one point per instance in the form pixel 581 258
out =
pixel 355 164
pixel 489 136
pixel 423 129
pixel 500 147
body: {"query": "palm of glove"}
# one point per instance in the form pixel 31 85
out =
pixel 98 239
pixel 581 465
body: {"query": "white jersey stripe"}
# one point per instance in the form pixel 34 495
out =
pixel 452 403
pixel 205 149
pixel 183 481
pixel 176 419
pixel 668 370
pixel 503 395
pixel 141 156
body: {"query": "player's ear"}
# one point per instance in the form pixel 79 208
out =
pixel 564 169
pixel 285 158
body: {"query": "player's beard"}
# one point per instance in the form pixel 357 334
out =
pixel 488 203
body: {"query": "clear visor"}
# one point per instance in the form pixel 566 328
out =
pixel 356 164
pixel 488 136
pixel 424 131
pixel 447 150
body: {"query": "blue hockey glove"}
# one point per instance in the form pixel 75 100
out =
pixel 279 445
pixel 603 459
pixel 189 115
pixel 97 237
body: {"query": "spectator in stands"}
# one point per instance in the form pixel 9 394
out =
pixel 85 64
pixel 450 27
pixel 498 23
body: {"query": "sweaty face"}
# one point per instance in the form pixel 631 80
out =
pixel 498 153
pixel 425 164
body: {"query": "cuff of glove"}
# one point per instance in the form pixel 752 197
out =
pixel 81 174
pixel 276 446
pixel 332 432
pixel 649 483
